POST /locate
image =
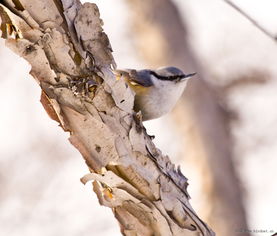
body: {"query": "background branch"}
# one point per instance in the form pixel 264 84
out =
pixel 253 21
pixel 199 117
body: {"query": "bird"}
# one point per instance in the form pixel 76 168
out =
pixel 156 91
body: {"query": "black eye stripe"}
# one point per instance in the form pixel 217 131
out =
pixel 170 78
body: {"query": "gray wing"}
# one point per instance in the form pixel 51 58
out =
pixel 142 77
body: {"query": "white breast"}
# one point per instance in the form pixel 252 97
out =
pixel 161 98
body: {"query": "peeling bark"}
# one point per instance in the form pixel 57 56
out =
pixel 71 59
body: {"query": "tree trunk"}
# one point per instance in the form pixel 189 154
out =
pixel 71 60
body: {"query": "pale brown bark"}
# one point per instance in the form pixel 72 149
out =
pixel 71 60
pixel 201 118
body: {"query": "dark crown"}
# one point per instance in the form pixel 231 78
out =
pixel 170 73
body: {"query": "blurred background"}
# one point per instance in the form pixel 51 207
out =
pixel 223 131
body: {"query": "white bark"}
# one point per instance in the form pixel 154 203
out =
pixel 72 62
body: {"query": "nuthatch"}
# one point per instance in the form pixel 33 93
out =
pixel 156 91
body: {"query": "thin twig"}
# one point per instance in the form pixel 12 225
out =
pixel 254 22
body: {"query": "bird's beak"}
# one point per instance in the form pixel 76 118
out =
pixel 186 77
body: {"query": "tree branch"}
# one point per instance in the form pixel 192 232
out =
pixel 71 60
pixel 248 17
